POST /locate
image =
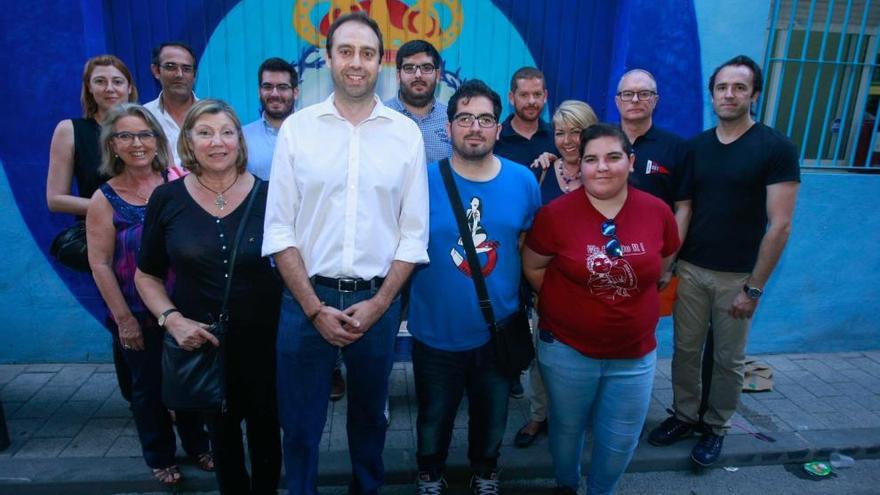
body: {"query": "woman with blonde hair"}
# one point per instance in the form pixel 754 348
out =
pixel 135 157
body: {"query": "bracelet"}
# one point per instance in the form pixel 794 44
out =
pixel 316 313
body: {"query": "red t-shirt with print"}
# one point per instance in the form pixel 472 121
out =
pixel 601 306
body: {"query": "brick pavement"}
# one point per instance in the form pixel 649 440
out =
pixel 64 412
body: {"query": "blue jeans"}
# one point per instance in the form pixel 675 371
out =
pixel 151 417
pixel 305 365
pixel 441 378
pixel 612 394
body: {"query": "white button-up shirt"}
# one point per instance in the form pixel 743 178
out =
pixel 350 198
pixel 169 126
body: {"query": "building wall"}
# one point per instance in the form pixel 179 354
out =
pixel 53 314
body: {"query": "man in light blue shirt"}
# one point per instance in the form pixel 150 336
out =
pixel 278 93
pixel 418 71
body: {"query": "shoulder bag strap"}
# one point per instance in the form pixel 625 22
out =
pixel 224 308
pixel 468 243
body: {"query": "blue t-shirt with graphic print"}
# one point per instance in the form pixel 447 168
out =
pixel 443 309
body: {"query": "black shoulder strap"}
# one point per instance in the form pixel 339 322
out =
pixel 468 243
pixel 224 308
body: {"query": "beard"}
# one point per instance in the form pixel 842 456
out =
pixel 277 114
pixel 473 153
pixel 521 113
pixel 418 100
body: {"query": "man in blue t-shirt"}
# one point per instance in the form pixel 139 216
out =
pixel 452 352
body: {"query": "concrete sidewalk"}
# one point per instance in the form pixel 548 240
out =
pixel 72 432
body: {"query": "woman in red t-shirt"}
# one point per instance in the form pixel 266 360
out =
pixel 595 260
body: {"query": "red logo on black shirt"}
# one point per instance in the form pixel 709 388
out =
pixel 652 167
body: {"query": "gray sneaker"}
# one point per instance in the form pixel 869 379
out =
pixel 426 484
pixel 486 486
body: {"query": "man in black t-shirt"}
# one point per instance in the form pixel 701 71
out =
pixel 746 179
pixel 661 167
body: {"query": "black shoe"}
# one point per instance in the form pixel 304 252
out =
pixel 487 485
pixel 670 431
pixel 516 389
pixel 708 449
pixel 428 483
pixel 524 439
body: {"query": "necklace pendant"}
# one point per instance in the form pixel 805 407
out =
pixel 220 201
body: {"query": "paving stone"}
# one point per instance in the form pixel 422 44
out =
pixel 400 439
pixel 73 375
pixel 664 395
pixel 400 416
pixel 872 383
pixel 749 405
pixel 820 370
pixel 106 368
pixel 44 402
pixel 839 362
pixel 42 448
pixel 866 364
pixel 20 430
pixel 114 407
pixel 44 368
pixel 339 439
pixel 24 386
pixel 781 406
pixel 69 419
pixel 779 362
pixel 397 383
pixel 98 386
pixel 125 446
pixel 664 368
pixel 801 420
pixel 9 371
pixel 95 439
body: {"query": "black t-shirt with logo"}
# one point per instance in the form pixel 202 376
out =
pixel 730 195
pixel 661 167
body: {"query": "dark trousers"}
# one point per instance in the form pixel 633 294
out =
pixel 441 379
pixel 305 365
pixel 250 397
pixel 151 417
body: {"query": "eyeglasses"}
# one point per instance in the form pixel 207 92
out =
pixel 128 137
pixel 427 69
pixel 641 95
pixel 172 67
pixel 613 248
pixel 467 120
pixel 268 87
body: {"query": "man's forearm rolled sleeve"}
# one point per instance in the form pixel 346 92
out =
pixel 282 203
pixel 413 246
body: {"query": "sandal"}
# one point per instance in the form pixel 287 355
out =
pixel 169 476
pixel 205 461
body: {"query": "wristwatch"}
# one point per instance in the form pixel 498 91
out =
pixel 754 293
pixel 164 316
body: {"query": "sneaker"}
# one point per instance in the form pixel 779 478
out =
pixel 486 486
pixel 669 432
pixel 516 389
pixel 428 484
pixel 708 449
pixel 337 385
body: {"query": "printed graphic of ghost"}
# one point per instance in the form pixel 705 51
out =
pixel 474 216
pixel 609 277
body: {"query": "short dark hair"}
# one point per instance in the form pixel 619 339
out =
pixel 414 47
pixel 357 16
pixel 276 64
pixel 525 73
pixel 601 130
pixel 470 89
pixel 158 51
pixel 757 76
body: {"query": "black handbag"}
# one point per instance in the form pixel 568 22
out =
pixel 511 337
pixel 195 380
pixel 69 247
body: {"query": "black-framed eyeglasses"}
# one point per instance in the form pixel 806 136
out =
pixel 427 69
pixel 467 120
pixel 128 137
pixel 643 95
pixel 613 248
pixel 268 87
pixel 172 67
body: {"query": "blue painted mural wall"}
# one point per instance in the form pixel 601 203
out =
pixel 52 314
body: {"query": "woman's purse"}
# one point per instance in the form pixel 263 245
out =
pixel 511 337
pixel 195 380
pixel 69 247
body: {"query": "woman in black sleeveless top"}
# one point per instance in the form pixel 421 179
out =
pixel 74 152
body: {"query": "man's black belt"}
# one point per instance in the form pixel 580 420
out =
pixel 348 284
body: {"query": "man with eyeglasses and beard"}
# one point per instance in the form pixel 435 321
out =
pixel 418 72
pixel 278 92
pixel 174 66
pixel 452 351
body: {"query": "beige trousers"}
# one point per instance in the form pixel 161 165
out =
pixel 704 296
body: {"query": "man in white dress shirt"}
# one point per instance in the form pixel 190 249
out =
pixel 346 221
pixel 174 66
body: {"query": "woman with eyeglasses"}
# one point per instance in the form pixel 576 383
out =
pixel 190 231
pixel 135 157
pixel 595 259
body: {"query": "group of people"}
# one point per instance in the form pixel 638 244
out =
pixel 584 221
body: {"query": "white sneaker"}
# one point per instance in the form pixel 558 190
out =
pixel 486 486
pixel 426 485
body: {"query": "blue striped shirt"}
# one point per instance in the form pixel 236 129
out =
pixel 433 126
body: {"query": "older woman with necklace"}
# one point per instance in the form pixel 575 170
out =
pixel 190 230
